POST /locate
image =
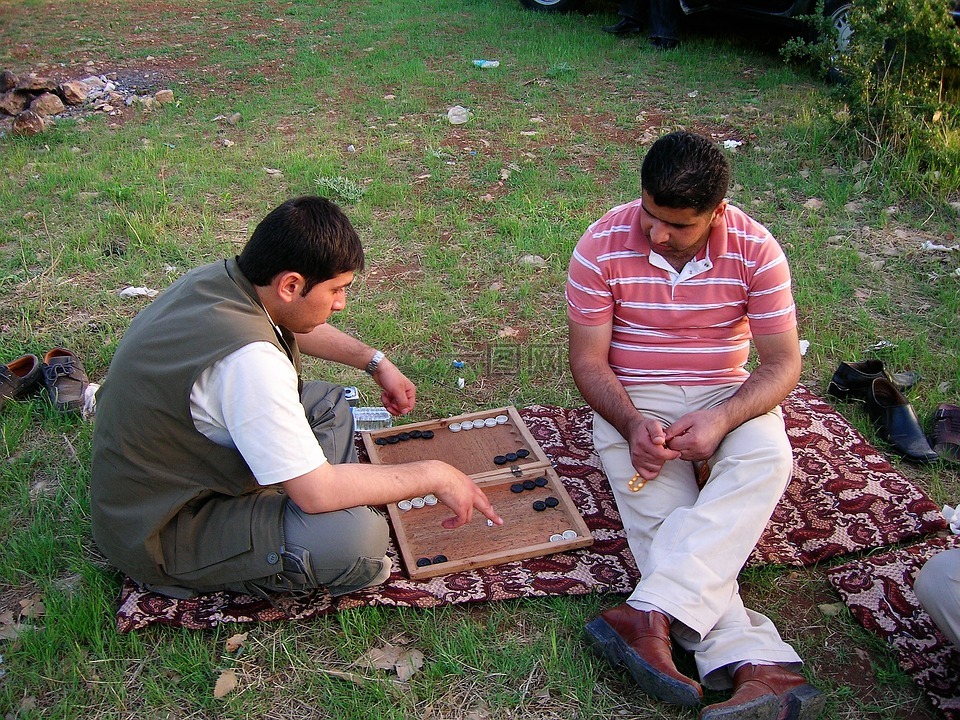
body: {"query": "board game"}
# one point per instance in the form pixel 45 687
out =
pixel 496 449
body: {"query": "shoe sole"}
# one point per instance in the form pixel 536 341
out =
pixel 802 703
pixel 607 643
pixel 765 707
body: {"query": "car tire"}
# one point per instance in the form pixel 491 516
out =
pixel 838 11
pixel 551 5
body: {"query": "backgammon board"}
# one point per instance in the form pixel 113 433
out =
pixel 495 448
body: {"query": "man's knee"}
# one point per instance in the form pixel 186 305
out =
pixel 342 550
pixel 331 420
pixel 936 576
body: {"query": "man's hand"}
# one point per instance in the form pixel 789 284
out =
pixel 463 496
pixel 399 393
pixel 697 435
pixel 648 447
pixel 337 486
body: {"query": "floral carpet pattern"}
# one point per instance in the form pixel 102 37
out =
pixel 879 591
pixel 844 498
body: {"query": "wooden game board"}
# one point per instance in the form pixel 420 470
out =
pixel 526 532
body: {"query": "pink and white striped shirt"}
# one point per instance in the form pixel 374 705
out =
pixel 688 328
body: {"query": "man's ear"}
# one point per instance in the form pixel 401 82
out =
pixel 288 285
pixel 718 212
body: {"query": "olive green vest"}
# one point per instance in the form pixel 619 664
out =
pixel 167 503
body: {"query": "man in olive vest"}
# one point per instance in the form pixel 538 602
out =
pixel 214 466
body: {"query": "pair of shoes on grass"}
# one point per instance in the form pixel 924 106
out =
pixel 60 375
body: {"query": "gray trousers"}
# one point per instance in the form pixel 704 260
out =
pixel 341 551
pixel 938 589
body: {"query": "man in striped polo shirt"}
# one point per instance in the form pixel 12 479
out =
pixel 664 295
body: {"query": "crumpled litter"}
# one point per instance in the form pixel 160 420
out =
pixel 929 245
pixel 732 144
pixel 458 115
pixel 129 292
pixel 89 409
pixel 952 516
pixel 804 346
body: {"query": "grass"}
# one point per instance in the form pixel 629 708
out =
pixel 447 214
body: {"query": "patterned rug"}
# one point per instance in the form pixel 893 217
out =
pixel 879 592
pixel 844 497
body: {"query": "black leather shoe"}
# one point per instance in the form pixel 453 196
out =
pixel 664 43
pixel 852 380
pixel 626 26
pixel 896 422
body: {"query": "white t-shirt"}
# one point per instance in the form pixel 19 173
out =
pixel 249 401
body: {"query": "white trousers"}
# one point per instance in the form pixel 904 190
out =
pixel 938 590
pixel 691 544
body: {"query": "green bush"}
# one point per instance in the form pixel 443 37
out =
pixel 898 82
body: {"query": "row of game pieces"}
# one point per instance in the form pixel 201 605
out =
pixel 511 456
pixel 437 559
pixel 404 436
pixel 479 423
pixel 417 502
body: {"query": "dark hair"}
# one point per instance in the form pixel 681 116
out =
pixel 309 235
pixel 685 170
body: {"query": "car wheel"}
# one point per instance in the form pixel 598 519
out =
pixel 551 5
pixel 839 13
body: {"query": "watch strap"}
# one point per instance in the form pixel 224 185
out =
pixel 374 362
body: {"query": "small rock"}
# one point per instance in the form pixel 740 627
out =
pixel 13 102
pixel 28 123
pixel 163 97
pixel 35 83
pixel 534 260
pixel 8 80
pixel 74 92
pixel 94 82
pixel 47 104
pixel 831 609
pixel 234 119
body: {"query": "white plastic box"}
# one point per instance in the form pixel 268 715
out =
pixel 371 418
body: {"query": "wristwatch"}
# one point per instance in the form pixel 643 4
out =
pixel 374 362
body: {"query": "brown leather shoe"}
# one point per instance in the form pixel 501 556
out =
pixel 641 642
pixel 20 378
pixel 65 380
pixel 946 432
pixel 768 692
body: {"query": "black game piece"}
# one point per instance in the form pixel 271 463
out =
pixel 540 481
pixel 522 453
pixel 424 561
pixel 511 457
pixel 539 505
pixel 393 439
pixel 416 434
pixel 529 484
pixel 381 441
pixel 404 436
pixel 551 501
pixel 426 434
pixel 500 460
pixel 517 488
pixel 439 559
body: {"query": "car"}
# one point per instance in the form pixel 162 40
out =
pixel 791 11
